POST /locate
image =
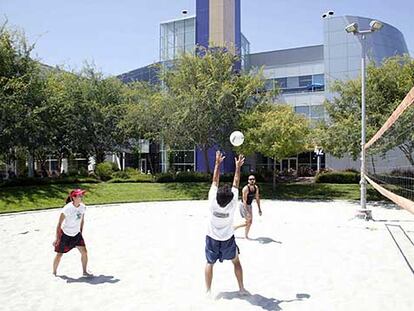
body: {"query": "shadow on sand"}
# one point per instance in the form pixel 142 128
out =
pixel 93 280
pixel 270 304
pixel 262 240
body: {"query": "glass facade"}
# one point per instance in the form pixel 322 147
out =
pixel 245 52
pixel 313 112
pixel 177 160
pixel 147 73
pixel 299 84
pixel 177 37
pixel 342 51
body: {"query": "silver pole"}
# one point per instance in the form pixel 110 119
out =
pixel 318 163
pixel 363 182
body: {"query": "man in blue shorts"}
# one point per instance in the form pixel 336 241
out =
pixel 220 242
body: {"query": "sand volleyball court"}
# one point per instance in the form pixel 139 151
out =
pixel 150 256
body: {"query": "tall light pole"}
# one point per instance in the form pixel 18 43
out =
pixel 353 28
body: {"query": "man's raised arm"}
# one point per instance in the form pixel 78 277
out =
pixel 239 162
pixel 216 173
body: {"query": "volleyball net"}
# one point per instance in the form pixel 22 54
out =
pixel 390 156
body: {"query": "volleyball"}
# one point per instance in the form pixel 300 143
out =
pixel 236 138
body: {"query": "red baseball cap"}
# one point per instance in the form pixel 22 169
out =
pixel 77 192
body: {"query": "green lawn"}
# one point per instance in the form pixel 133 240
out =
pixel 13 199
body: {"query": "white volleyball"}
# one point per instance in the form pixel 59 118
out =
pixel 236 138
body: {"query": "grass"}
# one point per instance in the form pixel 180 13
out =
pixel 16 199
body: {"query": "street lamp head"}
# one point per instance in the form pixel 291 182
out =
pixel 352 28
pixel 375 25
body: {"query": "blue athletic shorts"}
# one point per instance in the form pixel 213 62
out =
pixel 221 250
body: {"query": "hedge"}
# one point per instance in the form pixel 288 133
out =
pixel 345 177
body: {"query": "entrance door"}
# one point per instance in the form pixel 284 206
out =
pixel 293 163
pixel 289 163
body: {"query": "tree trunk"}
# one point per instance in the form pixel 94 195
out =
pixel 30 161
pixel 408 152
pixel 274 176
pixel 59 163
pixel 99 156
pixel 205 151
pixel 121 161
pixel 373 165
pixel 150 164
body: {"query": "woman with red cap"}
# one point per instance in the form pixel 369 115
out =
pixel 69 230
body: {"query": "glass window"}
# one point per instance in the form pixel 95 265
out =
pixel 282 82
pixel 317 112
pixel 179 40
pixel 179 26
pixel 190 23
pixel 302 110
pixel 183 157
pixel 318 79
pixel 189 38
pixel 268 84
pixel 292 82
pixel 170 33
pixel 305 81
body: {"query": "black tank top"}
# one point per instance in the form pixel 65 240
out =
pixel 250 195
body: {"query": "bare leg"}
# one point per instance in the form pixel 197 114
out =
pixel 208 273
pixel 238 271
pixel 56 262
pixel 239 226
pixel 84 259
pixel 248 225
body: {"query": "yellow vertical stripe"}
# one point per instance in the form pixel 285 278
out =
pixel 222 23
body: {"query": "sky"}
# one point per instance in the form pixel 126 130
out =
pixel 122 35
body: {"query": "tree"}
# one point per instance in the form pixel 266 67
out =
pixel 275 131
pixel 21 96
pixel 144 116
pixel 203 99
pixel 386 87
pixel 96 106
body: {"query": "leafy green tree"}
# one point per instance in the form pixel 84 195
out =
pixel 22 86
pixel 386 87
pixel 100 113
pixel 204 98
pixel 275 131
pixel 84 111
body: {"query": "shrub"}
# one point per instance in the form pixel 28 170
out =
pixel 121 175
pixel 132 171
pixel 104 171
pixel 351 170
pixel 338 178
pixel 83 171
pixel 130 175
pixel 114 166
pixel 402 172
pixel 305 171
pixel 164 177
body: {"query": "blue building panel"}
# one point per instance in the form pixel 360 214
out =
pixel 226 167
pixel 202 22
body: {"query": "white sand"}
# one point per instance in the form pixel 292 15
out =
pixel 150 256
